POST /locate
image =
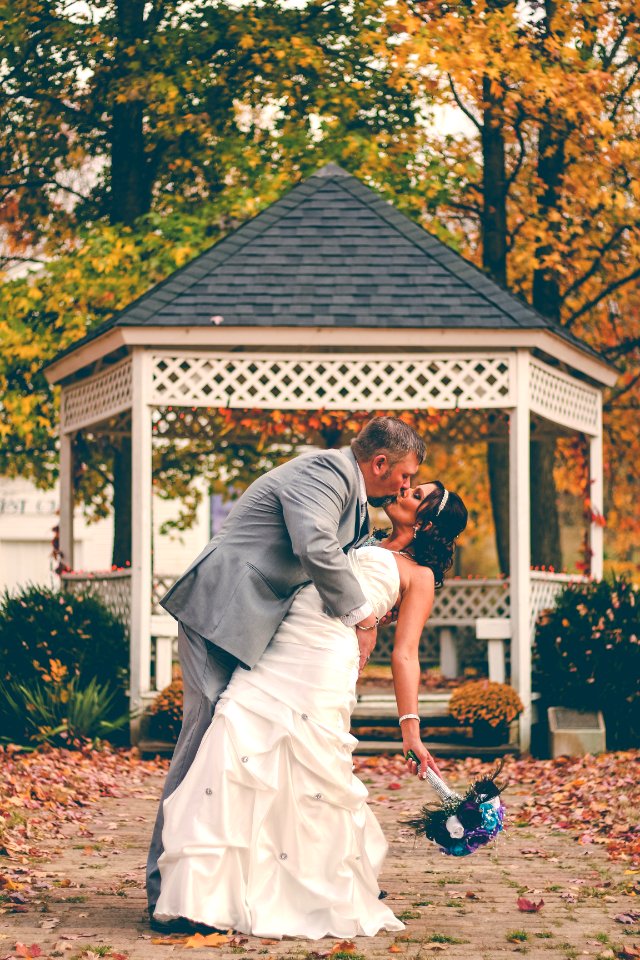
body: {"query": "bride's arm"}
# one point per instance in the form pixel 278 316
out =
pixel 417 584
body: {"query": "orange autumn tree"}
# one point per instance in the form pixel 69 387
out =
pixel 547 161
pixel 229 447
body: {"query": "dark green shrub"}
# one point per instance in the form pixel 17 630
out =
pixel 47 636
pixel 164 717
pixel 59 712
pixel 587 655
pixel 39 624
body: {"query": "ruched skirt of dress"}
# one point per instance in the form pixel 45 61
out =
pixel 269 833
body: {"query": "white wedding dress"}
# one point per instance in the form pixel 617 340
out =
pixel 270 833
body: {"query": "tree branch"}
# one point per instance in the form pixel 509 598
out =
pixel 611 402
pixel 8 259
pixel 617 44
pixel 46 181
pixel 625 90
pixel 464 109
pixel 621 349
pixel 517 126
pixel 611 288
pixel 580 281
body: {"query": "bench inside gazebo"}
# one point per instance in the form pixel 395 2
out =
pixel 332 299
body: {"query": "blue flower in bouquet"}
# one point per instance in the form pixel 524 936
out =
pixel 490 816
pixel 458 849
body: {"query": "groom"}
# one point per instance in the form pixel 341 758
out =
pixel 292 526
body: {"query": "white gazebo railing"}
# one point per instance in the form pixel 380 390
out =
pixel 460 604
pixel 112 587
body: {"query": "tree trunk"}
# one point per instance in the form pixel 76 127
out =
pixel 545 521
pixel 494 261
pixel 494 190
pixel 130 180
pixel 498 462
pixel 122 503
pixel 130 198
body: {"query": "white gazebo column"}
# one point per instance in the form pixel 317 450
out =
pixel 520 542
pixel 65 523
pixel 141 532
pixel 596 532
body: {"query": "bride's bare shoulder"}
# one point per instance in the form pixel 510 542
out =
pixel 413 574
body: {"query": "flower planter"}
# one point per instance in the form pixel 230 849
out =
pixel 485 735
pixel 574 733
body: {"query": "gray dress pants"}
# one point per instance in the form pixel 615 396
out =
pixel 206 671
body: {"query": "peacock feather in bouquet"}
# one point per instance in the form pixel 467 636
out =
pixel 461 824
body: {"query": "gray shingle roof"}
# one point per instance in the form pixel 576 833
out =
pixel 331 252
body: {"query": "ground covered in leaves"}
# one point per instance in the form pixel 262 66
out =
pixel 563 881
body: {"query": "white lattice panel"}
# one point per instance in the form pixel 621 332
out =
pixel 310 382
pixel 564 400
pixel 462 602
pixel 159 587
pixel 545 587
pixel 96 398
pixel 112 588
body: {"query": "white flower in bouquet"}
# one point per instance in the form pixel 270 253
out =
pixel 454 827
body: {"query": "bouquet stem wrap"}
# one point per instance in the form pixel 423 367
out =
pixel 437 783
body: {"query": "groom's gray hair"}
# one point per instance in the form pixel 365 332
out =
pixel 390 436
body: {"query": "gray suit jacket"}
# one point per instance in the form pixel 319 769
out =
pixel 293 525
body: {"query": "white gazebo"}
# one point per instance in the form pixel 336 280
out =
pixel 330 298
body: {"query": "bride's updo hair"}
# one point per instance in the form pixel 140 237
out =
pixel 434 547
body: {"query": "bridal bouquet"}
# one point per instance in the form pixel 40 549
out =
pixel 461 824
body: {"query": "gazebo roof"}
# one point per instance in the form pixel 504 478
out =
pixel 331 253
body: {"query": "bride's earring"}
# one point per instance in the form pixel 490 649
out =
pixel 415 532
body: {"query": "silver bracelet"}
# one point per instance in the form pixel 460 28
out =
pixel 372 627
pixel 409 716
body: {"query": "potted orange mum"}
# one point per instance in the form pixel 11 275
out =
pixel 488 707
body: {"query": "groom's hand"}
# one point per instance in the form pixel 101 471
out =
pixel 367 634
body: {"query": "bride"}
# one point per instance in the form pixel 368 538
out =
pixel 270 833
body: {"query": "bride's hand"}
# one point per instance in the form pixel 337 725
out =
pixel 425 758
pixel 390 617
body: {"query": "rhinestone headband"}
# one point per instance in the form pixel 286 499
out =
pixel 443 503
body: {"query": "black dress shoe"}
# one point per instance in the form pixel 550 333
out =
pixel 168 927
pixel 382 895
pixel 181 925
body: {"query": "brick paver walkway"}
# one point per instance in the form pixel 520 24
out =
pixel 93 896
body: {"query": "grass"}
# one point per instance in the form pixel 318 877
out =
pixel 603 938
pixel 569 950
pixel 517 936
pixel 409 915
pixel 443 938
pixel 544 935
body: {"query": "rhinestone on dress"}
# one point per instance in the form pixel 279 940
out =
pixel 305 716
pixel 318 796
pixel 283 856
pixel 245 759
pixel 208 791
